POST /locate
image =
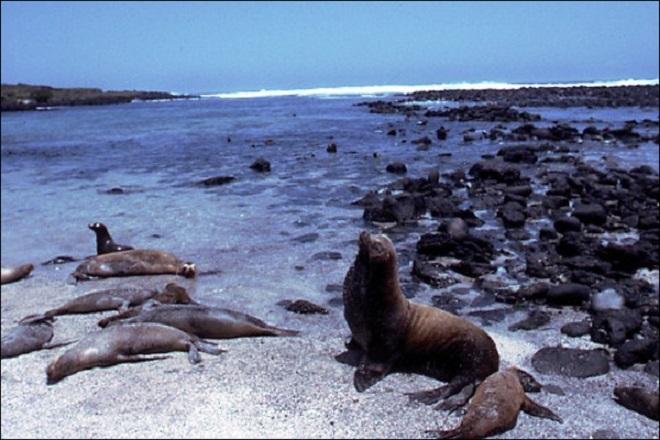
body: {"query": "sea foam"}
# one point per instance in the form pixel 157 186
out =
pixel 374 91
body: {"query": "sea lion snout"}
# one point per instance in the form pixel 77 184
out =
pixel 375 247
pixel 189 270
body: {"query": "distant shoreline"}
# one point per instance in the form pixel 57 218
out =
pixel 20 97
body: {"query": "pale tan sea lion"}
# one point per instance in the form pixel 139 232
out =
pixel 124 343
pixel 395 334
pixel 207 322
pixel 133 262
pixel 495 407
pixel 120 299
pixel 13 274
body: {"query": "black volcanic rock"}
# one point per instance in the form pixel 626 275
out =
pixel 396 168
pixel 571 362
pixel 261 165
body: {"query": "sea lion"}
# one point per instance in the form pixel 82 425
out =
pixel 639 400
pixel 495 407
pixel 133 262
pixel 207 322
pixel 395 334
pixel 32 333
pixel 120 299
pixel 104 243
pixel 12 274
pixel 124 343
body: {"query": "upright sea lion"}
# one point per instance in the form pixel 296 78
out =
pixel 639 400
pixel 31 334
pixel 495 407
pixel 133 262
pixel 104 243
pixel 120 299
pixel 207 322
pixel 398 335
pixel 124 343
pixel 12 274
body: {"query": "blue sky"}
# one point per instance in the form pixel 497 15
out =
pixel 227 46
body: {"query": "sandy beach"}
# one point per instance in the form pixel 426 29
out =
pixel 273 387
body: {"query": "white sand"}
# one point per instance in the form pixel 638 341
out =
pixel 270 387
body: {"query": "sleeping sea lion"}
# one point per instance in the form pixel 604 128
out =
pixel 120 299
pixel 31 334
pixel 133 262
pixel 12 274
pixel 395 334
pixel 207 322
pixel 124 343
pixel 495 407
pixel 639 400
pixel 104 243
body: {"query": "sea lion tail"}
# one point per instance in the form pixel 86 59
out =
pixel 208 347
pixel 534 409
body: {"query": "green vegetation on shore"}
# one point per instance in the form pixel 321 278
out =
pixel 29 97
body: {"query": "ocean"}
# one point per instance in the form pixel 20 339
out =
pixel 264 237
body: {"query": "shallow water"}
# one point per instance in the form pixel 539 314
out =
pixel 57 166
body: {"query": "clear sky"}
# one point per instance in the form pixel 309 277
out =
pixel 227 46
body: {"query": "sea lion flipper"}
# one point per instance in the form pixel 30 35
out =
pixel 193 354
pixel 452 433
pixel 208 347
pixel 369 373
pixel 458 400
pixel 534 409
pixel 59 344
pixel 430 397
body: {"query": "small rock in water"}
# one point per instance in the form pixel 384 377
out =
pixel 261 165
pixel 332 148
pixel 334 288
pixel 115 190
pixel 327 255
pixel 306 238
pixel 396 168
pixel 217 181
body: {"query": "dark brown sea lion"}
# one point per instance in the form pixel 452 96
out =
pixel 133 262
pixel 120 299
pixel 207 322
pixel 32 333
pixel 395 334
pixel 495 407
pixel 104 243
pixel 124 343
pixel 639 400
pixel 12 274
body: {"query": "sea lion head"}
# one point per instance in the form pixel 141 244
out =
pixel 188 270
pixel 376 249
pixel 60 368
pixel 527 381
pixel 174 294
pixel 97 227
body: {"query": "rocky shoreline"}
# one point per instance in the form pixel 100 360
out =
pixel 561 233
pixel 29 97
